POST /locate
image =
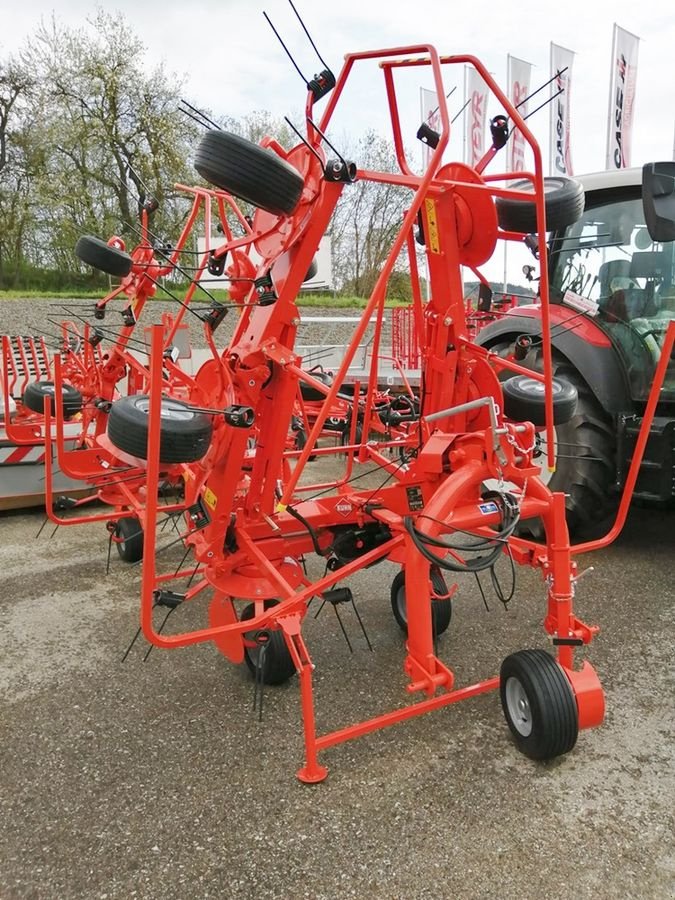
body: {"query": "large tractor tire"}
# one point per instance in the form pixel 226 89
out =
pixel 249 172
pixel 585 454
pixel 563 200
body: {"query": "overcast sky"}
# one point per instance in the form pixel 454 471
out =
pixel 233 64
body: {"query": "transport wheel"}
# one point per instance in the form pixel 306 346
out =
pixel 129 533
pixel 312 271
pixel 524 400
pixel 585 454
pixel 277 662
pixel 102 256
pixel 309 392
pixel 248 171
pixel 539 704
pixel 185 436
pixel 564 200
pixel 441 610
pixel 35 393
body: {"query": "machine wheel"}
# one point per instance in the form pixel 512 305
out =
pixel 129 533
pixel 585 454
pixel 441 610
pixel 564 200
pixel 249 171
pixel 277 662
pixel 96 253
pixel 35 393
pixel 524 400
pixel 185 437
pixel 312 271
pixel 539 704
pixel 309 392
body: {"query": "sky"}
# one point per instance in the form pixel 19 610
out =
pixel 233 64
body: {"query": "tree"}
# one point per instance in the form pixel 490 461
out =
pixel 367 218
pixel 111 133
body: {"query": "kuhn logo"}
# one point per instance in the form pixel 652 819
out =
pixel 619 160
pixel 344 507
pixel 477 119
pixel 561 164
pixel 518 150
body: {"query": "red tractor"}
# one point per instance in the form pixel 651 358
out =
pixel 612 294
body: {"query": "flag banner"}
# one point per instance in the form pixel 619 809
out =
pixel 518 74
pixel 431 116
pixel 560 155
pixel 476 100
pixel 623 77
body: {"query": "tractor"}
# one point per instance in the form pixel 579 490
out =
pixel 612 294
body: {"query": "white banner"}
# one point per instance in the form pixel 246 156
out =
pixel 431 116
pixel 475 116
pixel 518 74
pixel 623 77
pixel 560 157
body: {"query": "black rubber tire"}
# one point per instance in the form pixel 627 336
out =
pixel 35 393
pixel 309 392
pixel 564 200
pixel 130 534
pixel 441 610
pixel 278 666
pixel 96 253
pixel 524 400
pixel 185 436
pixel 539 704
pixel 249 172
pixel 312 271
pixel 345 437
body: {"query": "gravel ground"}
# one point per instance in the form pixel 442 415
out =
pixel 155 779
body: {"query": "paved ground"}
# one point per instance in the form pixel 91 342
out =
pixel 155 779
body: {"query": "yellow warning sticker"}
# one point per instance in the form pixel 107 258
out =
pixel 210 498
pixel 433 242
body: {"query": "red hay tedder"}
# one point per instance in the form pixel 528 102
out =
pixel 250 516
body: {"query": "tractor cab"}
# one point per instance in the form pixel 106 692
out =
pixel 617 263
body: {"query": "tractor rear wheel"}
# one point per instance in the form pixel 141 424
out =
pixel 441 610
pixel 539 704
pixel 585 454
pixel 185 434
pixel 248 171
pixel 270 661
pixel 564 202
pixel 99 255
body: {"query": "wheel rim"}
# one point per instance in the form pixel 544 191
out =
pixel 168 410
pixel 518 706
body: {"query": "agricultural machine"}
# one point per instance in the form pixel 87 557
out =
pixel 612 293
pixel 447 500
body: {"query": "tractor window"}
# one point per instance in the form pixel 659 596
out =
pixel 609 257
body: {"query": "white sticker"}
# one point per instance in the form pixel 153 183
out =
pixel 583 304
pixel 488 508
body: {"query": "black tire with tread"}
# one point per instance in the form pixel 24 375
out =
pixel 524 400
pixel 248 171
pixel 586 471
pixel 552 704
pixel 564 201
pixel 278 666
pixel 184 438
pixel 130 539
pixel 35 393
pixel 441 610
pixel 99 255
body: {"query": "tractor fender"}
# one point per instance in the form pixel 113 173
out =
pixel 586 346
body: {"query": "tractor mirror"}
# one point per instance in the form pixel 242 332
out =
pixel 658 200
